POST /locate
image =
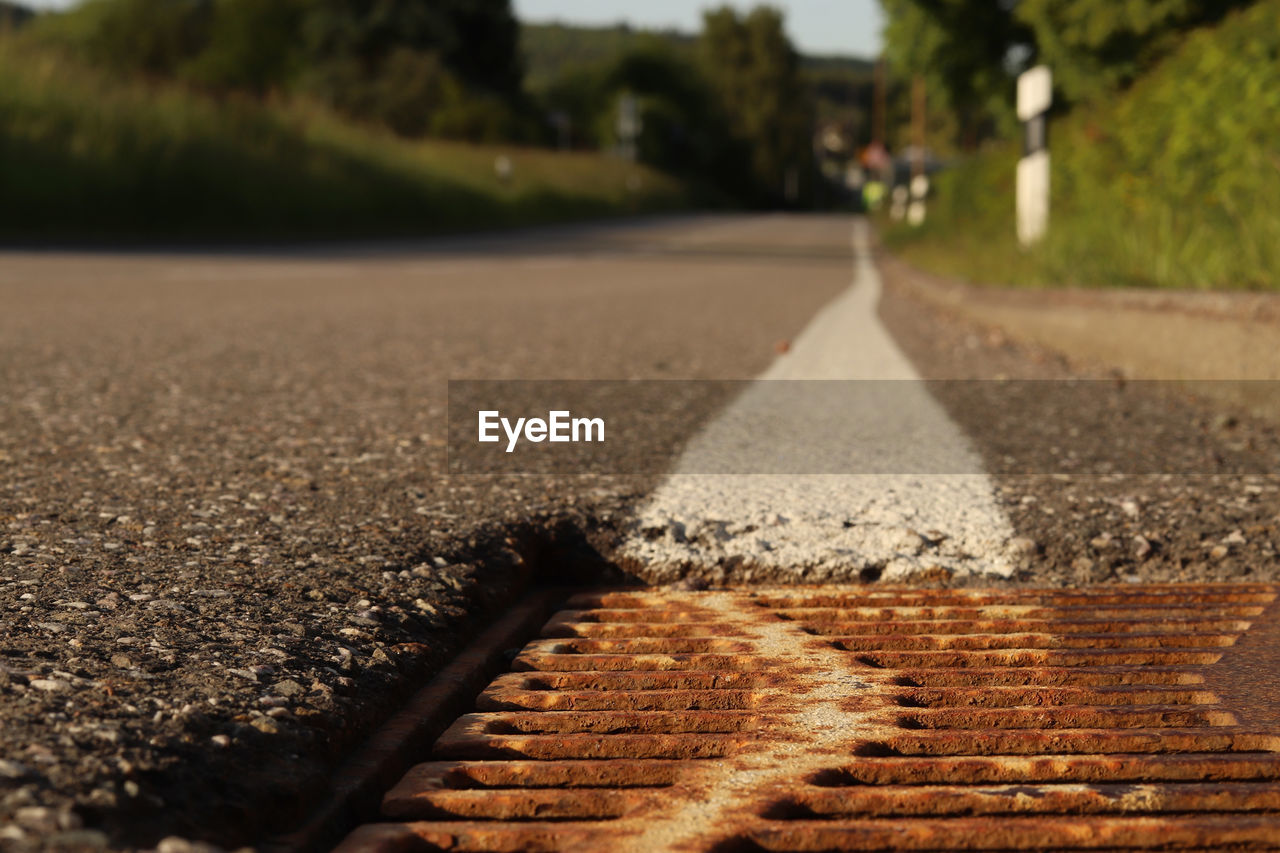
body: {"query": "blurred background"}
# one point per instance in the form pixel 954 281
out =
pixel 328 118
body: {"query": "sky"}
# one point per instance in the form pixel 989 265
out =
pixel 816 26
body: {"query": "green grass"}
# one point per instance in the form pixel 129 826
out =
pixel 85 155
pixel 1176 183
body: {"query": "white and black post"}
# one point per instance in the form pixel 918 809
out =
pixel 919 175
pixel 1035 94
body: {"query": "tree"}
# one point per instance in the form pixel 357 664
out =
pixel 477 40
pixel 968 52
pixel 13 15
pixel 450 67
pixel 1097 46
pixel 684 127
pixel 754 73
pixel 250 45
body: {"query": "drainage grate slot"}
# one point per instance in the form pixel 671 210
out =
pixel 1039 657
pixel 1057 798
pixel 972 770
pixel 983 642
pixel 638 646
pixel 861 720
pixel 1098 676
pixel 970 627
pixel 1081 741
pixel 1065 717
pixel 1008 697
pixel 542 661
pixel 1042 832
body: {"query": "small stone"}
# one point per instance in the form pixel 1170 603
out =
pixel 1129 508
pixel 12 769
pixel 79 839
pixel 1235 537
pixel 1102 541
pixel 1141 547
pixel 49 685
pixel 266 725
pixel 167 604
pixel 39 818
pixel 1023 545
pixel 288 687
pixel 122 661
pixel 1218 552
pixel 175 844
pixel 1224 421
pixel 221 741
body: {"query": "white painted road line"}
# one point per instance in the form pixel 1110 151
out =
pixel 830 525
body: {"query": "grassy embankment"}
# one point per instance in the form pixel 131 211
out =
pixel 86 155
pixel 1176 183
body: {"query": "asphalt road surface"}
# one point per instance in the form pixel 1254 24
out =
pixel 229 543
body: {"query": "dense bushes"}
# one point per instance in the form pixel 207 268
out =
pixel 84 154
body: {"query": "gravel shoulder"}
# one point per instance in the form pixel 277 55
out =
pixel 1125 527
pixel 228 542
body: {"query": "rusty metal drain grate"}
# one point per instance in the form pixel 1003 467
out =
pixel 820 719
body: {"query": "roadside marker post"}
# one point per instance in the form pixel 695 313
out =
pixel 919 186
pixel 1035 94
pixel 629 126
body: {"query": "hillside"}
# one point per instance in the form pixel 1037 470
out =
pixel 550 49
pixel 1170 184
